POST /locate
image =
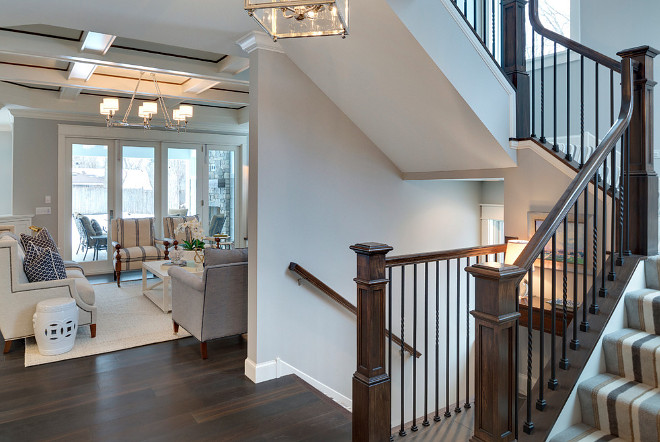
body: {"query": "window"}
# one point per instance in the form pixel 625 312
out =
pixel 554 15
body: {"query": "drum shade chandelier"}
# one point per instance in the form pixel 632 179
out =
pixel 300 18
pixel 146 111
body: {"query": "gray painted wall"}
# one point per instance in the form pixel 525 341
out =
pixel 492 192
pixel 5 172
pixel 318 185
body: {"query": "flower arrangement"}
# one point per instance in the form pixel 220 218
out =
pixel 196 234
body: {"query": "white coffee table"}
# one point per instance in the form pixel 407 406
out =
pixel 162 296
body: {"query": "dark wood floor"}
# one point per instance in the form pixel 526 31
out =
pixel 161 392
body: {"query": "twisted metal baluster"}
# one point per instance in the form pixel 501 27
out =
pixel 593 308
pixel 564 364
pixel 402 431
pixel 528 425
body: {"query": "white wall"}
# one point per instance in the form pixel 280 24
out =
pixel 317 186
pixel 5 172
pixel 610 26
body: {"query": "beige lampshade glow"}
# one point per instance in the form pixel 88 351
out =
pixel 150 107
pixel 104 110
pixel 513 249
pixel 186 110
pixel 111 104
pixel 177 115
pixel 143 113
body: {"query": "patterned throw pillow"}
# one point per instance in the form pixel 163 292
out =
pixel 42 264
pixel 98 231
pixel 41 239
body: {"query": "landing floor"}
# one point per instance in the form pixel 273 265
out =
pixel 161 392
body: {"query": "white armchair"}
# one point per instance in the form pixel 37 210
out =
pixel 19 297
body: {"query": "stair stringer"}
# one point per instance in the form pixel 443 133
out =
pixel 571 414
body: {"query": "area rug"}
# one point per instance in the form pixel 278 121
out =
pixel 126 319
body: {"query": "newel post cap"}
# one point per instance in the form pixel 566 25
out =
pixel 637 51
pixel 371 248
pixel 496 271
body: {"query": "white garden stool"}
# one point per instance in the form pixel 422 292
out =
pixel 55 325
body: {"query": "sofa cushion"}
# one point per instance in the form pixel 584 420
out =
pixel 147 253
pixel 97 228
pixel 170 223
pixel 42 264
pixel 214 257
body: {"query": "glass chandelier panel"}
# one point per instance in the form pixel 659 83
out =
pixel 299 18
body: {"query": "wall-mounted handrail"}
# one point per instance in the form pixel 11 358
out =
pixel 579 184
pixel 323 287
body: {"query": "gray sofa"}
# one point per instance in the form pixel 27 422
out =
pixel 213 305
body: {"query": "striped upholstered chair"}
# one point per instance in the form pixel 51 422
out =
pixel 135 242
pixel 170 223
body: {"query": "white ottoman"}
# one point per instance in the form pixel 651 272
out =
pixel 55 325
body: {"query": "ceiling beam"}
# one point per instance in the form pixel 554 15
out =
pixel 233 64
pixel 197 85
pixel 96 42
pixel 49 77
pixel 49 48
pixel 70 93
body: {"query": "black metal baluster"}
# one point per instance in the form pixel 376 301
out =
pixel 603 289
pixel 619 260
pixel 484 21
pixel 575 342
pixel 447 413
pixel 492 13
pixel 414 359
pixel 564 364
pixel 402 431
pixel 533 135
pixel 436 418
pixel 568 155
pixel 540 402
pixel 627 251
pixel 465 8
pixel 528 426
pixel 593 308
pixel 425 422
pixel 474 13
pixel 582 159
pixel 467 339
pixel 389 322
pixel 612 275
pixel 542 139
pixel 597 108
pixel 584 326
pixel 552 382
pixel 457 409
pixel 555 145
pixel 516 359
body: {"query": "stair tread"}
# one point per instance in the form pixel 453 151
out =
pixel 583 433
pixel 643 310
pixel 633 354
pixel 620 407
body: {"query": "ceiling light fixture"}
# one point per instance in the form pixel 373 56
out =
pixel 300 18
pixel 146 111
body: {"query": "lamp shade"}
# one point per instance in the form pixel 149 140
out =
pixel 111 104
pixel 143 113
pixel 176 113
pixel 296 18
pixel 150 107
pixel 513 249
pixel 186 110
pixel 104 110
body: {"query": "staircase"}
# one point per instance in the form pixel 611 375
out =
pixel 624 402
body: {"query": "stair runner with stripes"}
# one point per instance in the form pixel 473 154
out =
pixel 623 404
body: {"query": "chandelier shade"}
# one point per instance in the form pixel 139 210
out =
pixel 300 18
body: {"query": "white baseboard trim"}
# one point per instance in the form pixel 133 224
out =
pixel 284 369
pixel 262 372
pixel 276 368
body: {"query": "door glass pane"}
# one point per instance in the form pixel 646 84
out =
pixel 137 182
pixel 182 181
pixel 221 192
pixel 89 202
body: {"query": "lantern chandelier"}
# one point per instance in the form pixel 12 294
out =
pixel 146 111
pixel 300 18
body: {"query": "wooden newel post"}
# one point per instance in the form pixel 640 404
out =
pixel 495 349
pixel 371 384
pixel 643 199
pixel 513 60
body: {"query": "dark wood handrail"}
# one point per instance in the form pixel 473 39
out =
pixel 417 258
pixel 307 276
pixel 573 45
pixel 579 184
